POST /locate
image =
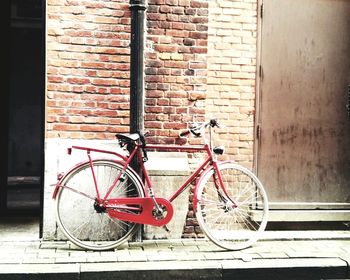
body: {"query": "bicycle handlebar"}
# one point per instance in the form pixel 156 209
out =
pixel 197 129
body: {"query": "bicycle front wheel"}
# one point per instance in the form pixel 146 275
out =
pixel 233 218
pixel 81 220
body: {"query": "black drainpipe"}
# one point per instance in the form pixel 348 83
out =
pixel 137 42
pixel 137 90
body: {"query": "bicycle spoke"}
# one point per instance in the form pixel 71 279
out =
pixel 246 221
pixel 250 198
pixel 78 192
pixel 246 189
pixel 81 226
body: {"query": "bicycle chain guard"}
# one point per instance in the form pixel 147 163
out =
pixel 139 210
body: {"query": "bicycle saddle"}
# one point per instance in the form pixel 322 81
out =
pixel 128 138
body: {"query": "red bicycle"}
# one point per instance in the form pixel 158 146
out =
pixel 112 200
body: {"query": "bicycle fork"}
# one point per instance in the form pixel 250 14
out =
pixel 229 204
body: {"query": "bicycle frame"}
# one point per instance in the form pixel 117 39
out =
pixel 146 204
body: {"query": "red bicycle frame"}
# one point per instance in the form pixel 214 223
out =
pixel 140 209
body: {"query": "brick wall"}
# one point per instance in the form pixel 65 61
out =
pixel 194 70
pixel 87 68
pixel 176 67
pixel 231 74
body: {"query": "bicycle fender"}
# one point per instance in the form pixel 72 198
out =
pixel 199 181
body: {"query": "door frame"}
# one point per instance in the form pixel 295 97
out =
pixel 259 76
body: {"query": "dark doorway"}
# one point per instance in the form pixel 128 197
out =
pixel 24 107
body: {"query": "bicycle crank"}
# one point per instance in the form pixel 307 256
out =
pixel 140 210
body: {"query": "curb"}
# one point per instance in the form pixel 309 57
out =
pixel 264 269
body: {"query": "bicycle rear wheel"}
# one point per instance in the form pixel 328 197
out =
pixel 234 219
pixel 81 220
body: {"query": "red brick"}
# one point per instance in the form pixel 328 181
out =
pixel 166 48
pixel 171 2
pixel 199 4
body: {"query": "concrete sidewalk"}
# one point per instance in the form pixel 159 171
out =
pixel 292 255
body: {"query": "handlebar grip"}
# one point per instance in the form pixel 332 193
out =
pixel 184 133
pixel 214 122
